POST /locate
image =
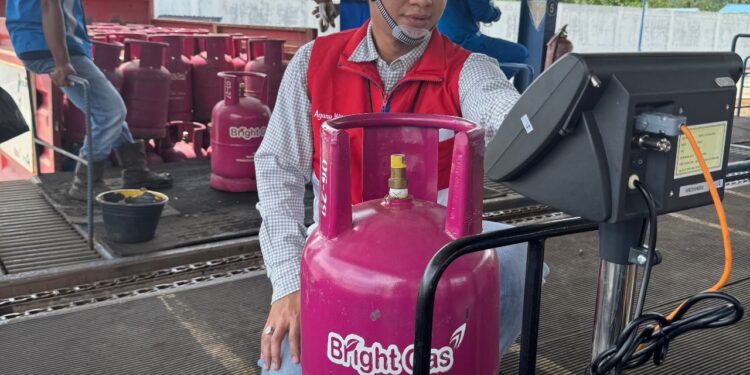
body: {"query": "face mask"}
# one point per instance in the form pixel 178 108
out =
pixel 403 33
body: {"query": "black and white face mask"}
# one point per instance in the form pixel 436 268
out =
pixel 404 33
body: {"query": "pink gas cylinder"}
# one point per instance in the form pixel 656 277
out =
pixel 239 52
pixel 97 36
pixel 146 89
pixel 120 36
pixel 271 65
pixel 252 46
pixel 107 57
pixel 105 24
pixel 184 141
pixel 189 45
pixel 238 126
pixel 256 47
pixel 362 265
pixel 208 89
pixel 180 70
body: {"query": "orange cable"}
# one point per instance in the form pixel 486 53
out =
pixel 719 211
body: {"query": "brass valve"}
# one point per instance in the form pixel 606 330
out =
pixel 398 172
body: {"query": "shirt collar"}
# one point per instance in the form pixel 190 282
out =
pixel 367 52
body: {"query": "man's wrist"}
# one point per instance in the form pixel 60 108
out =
pixel 282 294
pixel 61 62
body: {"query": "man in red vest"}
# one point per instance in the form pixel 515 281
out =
pixel 397 62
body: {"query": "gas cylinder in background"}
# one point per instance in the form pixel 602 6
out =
pixel 362 266
pixel 180 70
pixel 238 125
pixel 120 36
pixel 207 86
pixel 242 45
pixel 270 64
pixel 558 46
pixel 256 49
pixel 146 89
pixel 250 48
pixel 106 57
pixel 239 52
pixel 184 141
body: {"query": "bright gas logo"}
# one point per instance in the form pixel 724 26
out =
pixel 245 133
pixel 352 351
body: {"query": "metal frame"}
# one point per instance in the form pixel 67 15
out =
pixel 616 284
pixel 87 162
pixel 744 70
pixel 521 81
pixel 535 235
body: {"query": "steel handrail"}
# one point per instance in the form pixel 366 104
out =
pixel 525 80
pixel 86 161
pixel 536 234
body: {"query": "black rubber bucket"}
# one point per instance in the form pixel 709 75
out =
pixel 131 215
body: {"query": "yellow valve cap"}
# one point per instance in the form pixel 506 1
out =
pixel 398 161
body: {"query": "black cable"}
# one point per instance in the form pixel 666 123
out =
pixel 651 247
pixel 648 335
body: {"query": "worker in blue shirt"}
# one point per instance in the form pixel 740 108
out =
pixel 354 13
pixel 460 23
pixel 50 37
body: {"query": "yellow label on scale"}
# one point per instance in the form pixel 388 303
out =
pixel 710 138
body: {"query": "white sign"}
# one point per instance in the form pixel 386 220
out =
pixel 527 124
pixel 698 188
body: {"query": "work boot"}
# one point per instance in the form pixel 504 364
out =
pixel 77 189
pixel 135 173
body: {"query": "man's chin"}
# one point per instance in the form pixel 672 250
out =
pixel 414 32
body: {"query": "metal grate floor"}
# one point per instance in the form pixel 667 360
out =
pixel 33 235
pixel 209 329
pixel 213 328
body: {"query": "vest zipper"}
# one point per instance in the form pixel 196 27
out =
pixel 386 107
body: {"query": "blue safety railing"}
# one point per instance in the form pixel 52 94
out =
pixel 524 77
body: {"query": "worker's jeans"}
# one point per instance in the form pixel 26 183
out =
pixel 512 272
pixel 108 127
pixel 502 50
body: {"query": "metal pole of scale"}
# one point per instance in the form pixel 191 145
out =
pixel 617 281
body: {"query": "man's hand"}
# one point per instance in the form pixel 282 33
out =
pixel 283 317
pixel 59 75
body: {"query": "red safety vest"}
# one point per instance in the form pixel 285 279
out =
pixel 339 87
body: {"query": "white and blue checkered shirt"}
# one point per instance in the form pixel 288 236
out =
pixel 283 162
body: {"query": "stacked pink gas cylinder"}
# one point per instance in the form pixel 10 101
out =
pixel 362 265
pixel 238 125
pixel 270 64
pixel 170 83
